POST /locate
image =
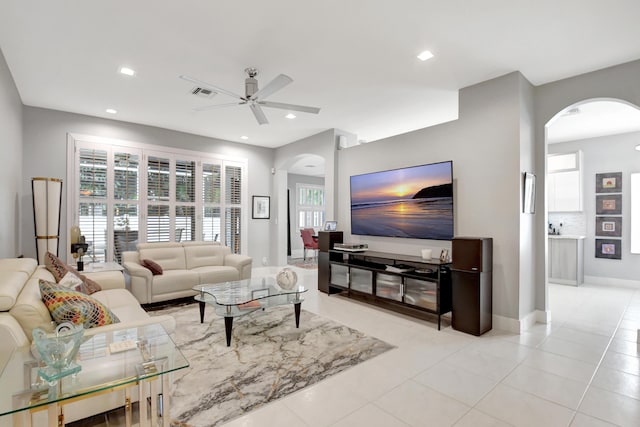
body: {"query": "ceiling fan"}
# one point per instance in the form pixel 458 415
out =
pixel 255 98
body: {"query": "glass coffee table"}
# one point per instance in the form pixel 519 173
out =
pixel 117 359
pixel 239 298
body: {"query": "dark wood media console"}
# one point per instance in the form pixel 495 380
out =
pixel 422 293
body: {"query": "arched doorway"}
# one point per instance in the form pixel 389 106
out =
pixel 603 132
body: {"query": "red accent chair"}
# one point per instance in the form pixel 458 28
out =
pixel 309 241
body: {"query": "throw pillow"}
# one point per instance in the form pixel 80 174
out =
pixel 71 281
pixel 88 286
pixel 67 305
pixel 155 268
pixel 55 265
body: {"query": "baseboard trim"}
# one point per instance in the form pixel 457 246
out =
pixel 609 281
pixel 519 326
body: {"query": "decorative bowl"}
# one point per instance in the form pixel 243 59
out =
pixel 58 350
pixel 287 278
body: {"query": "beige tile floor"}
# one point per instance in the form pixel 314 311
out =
pixel 583 369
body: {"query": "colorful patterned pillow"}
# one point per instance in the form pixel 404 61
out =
pixel 67 305
pixel 156 269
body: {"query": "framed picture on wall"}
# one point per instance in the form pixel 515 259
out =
pixel 609 204
pixel 609 226
pixel 609 248
pixel 529 193
pixel 260 207
pixel 609 182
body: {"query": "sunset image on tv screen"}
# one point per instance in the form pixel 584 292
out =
pixel 414 202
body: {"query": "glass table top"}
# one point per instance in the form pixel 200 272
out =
pixel 241 296
pixel 109 359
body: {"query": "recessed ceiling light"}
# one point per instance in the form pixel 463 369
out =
pixel 638 147
pixel 244 137
pixel 425 55
pixel 127 71
pixel 290 116
pixel 111 111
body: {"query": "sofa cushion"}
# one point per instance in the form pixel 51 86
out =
pixel 78 308
pixel 175 280
pixel 29 309
pixel 12 284
pixel 153 266
pixel 217 274
pixel 169 255
pixel 26 265
pixel 200 254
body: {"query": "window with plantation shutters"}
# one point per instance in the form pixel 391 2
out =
pixel 158 199
pixel 125 194
pixel 211 190
pixel 233 211
pixel 310 205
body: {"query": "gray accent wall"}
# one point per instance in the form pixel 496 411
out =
pixel 11 188
pixel 614 153
pixel 45 145
pixel 487 142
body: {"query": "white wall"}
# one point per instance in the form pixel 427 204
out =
pixel 45 139
pixel 619 82
pixel 615 153
pixel 484 144
pixel 11 170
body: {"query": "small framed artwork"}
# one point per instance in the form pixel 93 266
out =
pixel 609 226
pixel 609 204
pixel 609 248
pixel 261 208
pixel 529 193
pixel 444 255
pixel 331 226
pixel 609 182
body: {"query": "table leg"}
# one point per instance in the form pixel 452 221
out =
pixel 142 403
pixel 201 304
pixel 296 308
pixel 228 324
pixel 166 402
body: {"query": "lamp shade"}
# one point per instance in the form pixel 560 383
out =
pixel 47 201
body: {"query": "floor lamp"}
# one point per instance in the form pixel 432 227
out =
pixel 47 201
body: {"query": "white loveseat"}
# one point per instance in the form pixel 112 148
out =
pixel 22 310
pixel 184 265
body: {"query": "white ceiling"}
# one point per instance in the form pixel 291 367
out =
pixel 355 59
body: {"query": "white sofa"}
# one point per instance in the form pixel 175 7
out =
pixel 184 265
pixel 22 310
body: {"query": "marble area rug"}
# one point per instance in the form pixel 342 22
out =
pixel 268 359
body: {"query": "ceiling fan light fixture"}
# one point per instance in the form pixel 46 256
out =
pixel 290 116
pixel 111 111
pixel 423 56
pixel 127 71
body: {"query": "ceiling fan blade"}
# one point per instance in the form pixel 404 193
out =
pixel 303 108
pixel 273 86
pixel 214 106
pixel 211 107
pixel 212 87
pixel 257 111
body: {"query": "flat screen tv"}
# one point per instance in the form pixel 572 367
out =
pixel 414 202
